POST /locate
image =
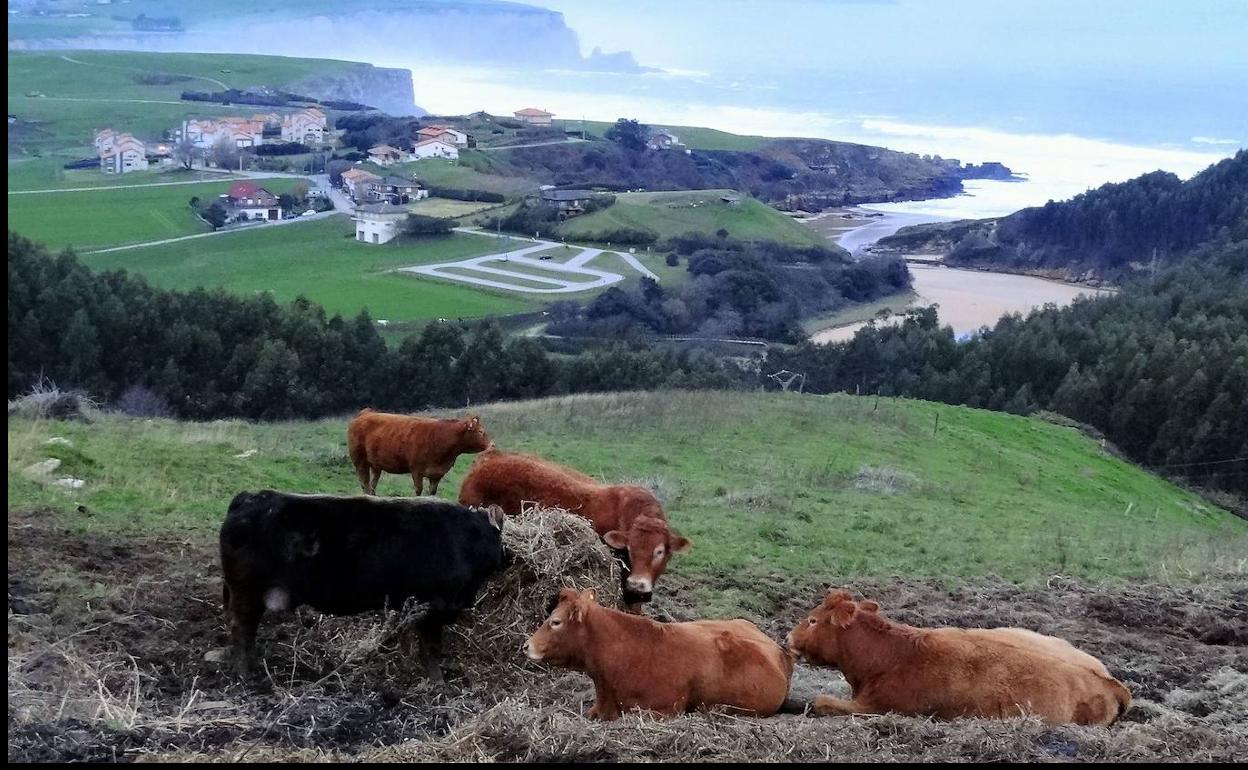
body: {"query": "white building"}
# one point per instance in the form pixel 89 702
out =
pixel 306 126
pixel 356 182
pixel 378 222
pixel 121 154
pixel 443 132
pixel 385 155
pixel 435 148
pixel 534 116
pixel 205 133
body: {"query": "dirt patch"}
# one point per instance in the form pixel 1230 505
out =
pixel 107 638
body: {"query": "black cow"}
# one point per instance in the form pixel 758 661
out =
pixel 346 555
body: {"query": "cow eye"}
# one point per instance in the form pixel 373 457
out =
pixel 555 622
pixel 658 551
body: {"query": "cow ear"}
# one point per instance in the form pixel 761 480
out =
pixel 869 606
pixel 679 544
pixel 473 421
pixel 567 594
pixel 497 517
pixel 589 595
pixel 617 539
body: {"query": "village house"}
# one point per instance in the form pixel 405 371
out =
pixel 570 203
pixel 120 153
pixel 664 140
pixel 356 182
pixel 533 116
pixel 205 134
pixel 385 155
pixel 443 133
pixel 248 200
pixel 435 148
pixel 306 126
pixel 396 190
pixel 378 222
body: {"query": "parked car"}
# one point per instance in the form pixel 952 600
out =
pixel 308 213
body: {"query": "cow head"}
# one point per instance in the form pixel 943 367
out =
pixel 817 637
pixel 473 437
pixel 561 640
pixel 650 544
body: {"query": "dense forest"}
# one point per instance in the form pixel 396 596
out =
pixel 759 289
pixel 205 354
pixel 1110 231
pixel 1161 368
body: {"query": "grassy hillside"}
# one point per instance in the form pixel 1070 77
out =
pixel 81 91
pixel 322 261
pixel 673 213
pixel 111 217
pixel 693 137
pixel 766 485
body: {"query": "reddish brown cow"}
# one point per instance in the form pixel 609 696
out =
pixel 668 668
pixel 421 446
pixel 953 672
pixel 627 517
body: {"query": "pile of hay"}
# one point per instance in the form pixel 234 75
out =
pixel 548 549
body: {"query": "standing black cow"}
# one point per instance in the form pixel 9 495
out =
pixel 346 555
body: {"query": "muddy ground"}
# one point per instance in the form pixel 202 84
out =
pixel 107 638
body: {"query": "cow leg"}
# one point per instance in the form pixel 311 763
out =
pixel 245 610
pixel 828 706
pixel 431 626
pixel 374 477
pixel 433 484
pixel 418 482
pixel 363 472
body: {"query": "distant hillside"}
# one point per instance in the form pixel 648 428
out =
pixel 1113 230
pixel 791 174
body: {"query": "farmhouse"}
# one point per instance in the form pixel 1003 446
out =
pixel 385 155
pixel 534 116
pixel 248 200
pixel 443 133
pixel 306 126
pixel 121 154
pixel 570 203
pixel 664 140
pixel 356 182
pixel 378 222
pixel 205 134
pixel 396 190
pixel 435 148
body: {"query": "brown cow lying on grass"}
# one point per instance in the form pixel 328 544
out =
pixel 627 517
pixel 668 668
pixel 953 672
pixel 421 446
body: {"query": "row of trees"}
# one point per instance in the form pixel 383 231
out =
pixel 206 354
pixel 1161 368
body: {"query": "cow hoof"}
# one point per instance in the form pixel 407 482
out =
pixel 218 655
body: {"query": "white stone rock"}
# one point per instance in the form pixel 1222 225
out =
pixel 44 467
pixel 59 441
pixel 69 482
pixel 245 455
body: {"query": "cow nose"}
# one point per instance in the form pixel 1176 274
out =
pixel 640 585
pixel 530 652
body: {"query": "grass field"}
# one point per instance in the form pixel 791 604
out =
pixel 845 487
pixel 321 261
pixel 673 213
pixel 99 218
pixel 47 173
pixel 447 207
pixel 471 172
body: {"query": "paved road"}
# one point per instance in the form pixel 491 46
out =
pixel 109 187
pixel 572 140
pixel 575 268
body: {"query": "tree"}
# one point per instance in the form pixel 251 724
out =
pixel 419 224
pixel 629 134
pixel 226 154
pixel 185 152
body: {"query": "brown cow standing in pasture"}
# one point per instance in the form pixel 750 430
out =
pixel 953 672
pixel 668 668
pixel 421 446
pixel 627 517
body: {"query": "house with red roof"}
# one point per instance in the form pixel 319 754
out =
pixel 533 116
pixel 444 133
pixel 250 201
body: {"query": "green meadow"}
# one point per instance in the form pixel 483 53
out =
pixel 766 485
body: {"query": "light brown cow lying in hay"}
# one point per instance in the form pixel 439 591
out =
pixel 953 672
pixel 421 446
pixel 628 517
pixel 667 668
